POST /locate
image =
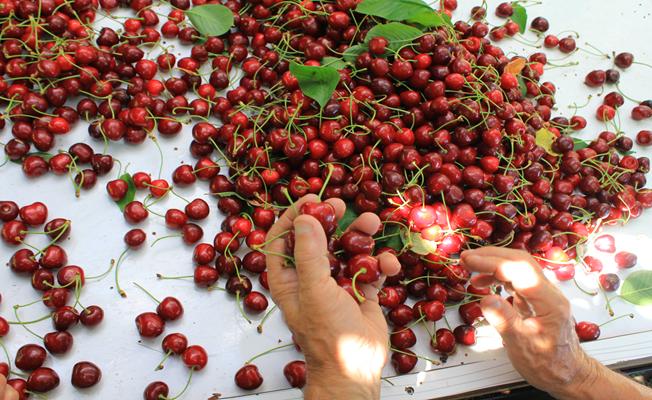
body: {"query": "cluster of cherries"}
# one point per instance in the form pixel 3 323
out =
pixel 438 138
pixel 58 284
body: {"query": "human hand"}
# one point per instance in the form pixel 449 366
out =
pixel 345 343
pixel 6 391
pixel 538 330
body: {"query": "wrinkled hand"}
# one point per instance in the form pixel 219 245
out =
pixel 6 391
pixel 345 343
pixel 538 330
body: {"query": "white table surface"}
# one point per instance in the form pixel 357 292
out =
pixel 212 320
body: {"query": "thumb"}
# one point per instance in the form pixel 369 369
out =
pixel 310 251
pixel 501 315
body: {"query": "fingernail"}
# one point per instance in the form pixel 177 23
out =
pixel 302 227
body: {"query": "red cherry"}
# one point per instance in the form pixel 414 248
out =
pixel 295 373
pixel 625 259
pixel 170 309
pixel 175 343
pixel 30 357
pixel 195 357
pixel 156 391
pixel 248 377
pixel 465 334
pixel 85 374
pixel 149 324
pixel 587 331
pixel 42 380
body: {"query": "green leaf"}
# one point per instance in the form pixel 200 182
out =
pixel 351 54
pixel 637 288
pixel 131 192
pixel 334 62
pixel 318 83
pixel 545 139
pixel 211 19
pixel 626 152
pixel 521 85
pixel 414 242
pixel 392 238
pixel 349 216
pixel 431 19
pixel 43 155
pixel 520 16
pixel 396 33
pixel 580 144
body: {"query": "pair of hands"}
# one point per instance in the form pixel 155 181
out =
pixel 346 344
pixel 6 391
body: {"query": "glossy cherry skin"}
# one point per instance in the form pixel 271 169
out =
pixel 150 324
pixel 404 362
pixel 444 341
pixel 85 374
pixel 175 343
pixel 255 302
pixel 295 373
pixel 322 212
pixel 42 380
pixel 248 377
pixel 625 259
pixel 195 357
pixel 30 357
pixel 465 334
pixel 156 391
pixel 58 342
pixel 170 309
pixel 355 242
pixel 367 267
pixel 587 331
pixel 91 316
pixel 8 210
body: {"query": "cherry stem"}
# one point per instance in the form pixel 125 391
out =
pixel 103 274
pixel 25 326
pixel 4 349
pixel 159 276
pixel 147 293
pixel 608 305
pixel 259 328
pixel 30 322
pixel 582 289
pixel 164 237
pixel 237 300
pixel 121 292
pixel 328 178
pixel 249 361
pixel 617 318
pixel 160 365
pixel 435 362
pixel 357 294
pixel 184 388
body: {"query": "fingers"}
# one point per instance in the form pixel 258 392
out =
pixel 501 315
pixel 3 385
pixel 310 252
pixel 284 223
pixel 517 269
pixel 11 394
pixel 389 264
pixel 368 223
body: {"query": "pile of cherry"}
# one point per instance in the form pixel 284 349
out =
pixel 448 140
pixel 58 284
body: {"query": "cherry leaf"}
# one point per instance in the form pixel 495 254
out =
pixel 416 11
pixel 318 83
pixel 351 54
pixel 391 237
pixel 521 85
pixel 520 16
pixel 579 144
pixel 349 216
pixel 334 62
pixel 43 155
pixel 515 66
pixel 545 139
pixel 637 288
pixel 211 19
pixel 131 192
pixel 396 33
pixel 414 242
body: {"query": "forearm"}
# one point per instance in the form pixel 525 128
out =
pixel 598 382
pixel 329 385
